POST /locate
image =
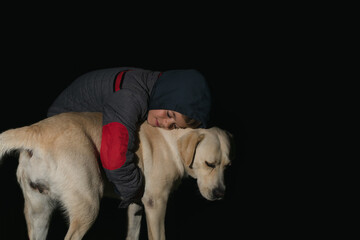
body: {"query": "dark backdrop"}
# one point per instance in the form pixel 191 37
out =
pixel 35 71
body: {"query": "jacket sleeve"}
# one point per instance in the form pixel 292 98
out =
pixel 121 115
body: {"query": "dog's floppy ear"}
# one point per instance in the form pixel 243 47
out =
pixel 187 145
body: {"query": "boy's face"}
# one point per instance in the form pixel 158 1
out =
pixel 166 119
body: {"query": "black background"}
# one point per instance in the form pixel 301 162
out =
pixel 241 68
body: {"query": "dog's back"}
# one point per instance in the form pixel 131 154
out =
pixel 47 132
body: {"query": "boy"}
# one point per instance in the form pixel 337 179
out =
pixel 127 97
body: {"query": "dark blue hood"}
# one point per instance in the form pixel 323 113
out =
pixel 183 91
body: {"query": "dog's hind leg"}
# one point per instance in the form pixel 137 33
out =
pixel 82 209
pixel 135 213
pixel 38 211
pixel 38 205
pixel 81 194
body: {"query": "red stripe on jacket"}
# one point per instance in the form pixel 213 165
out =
pixel 114 144
pixel 118 80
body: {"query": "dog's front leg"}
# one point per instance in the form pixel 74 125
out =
pixel 135 213
pixel 155 209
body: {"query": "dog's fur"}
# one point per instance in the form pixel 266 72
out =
pixel 58 165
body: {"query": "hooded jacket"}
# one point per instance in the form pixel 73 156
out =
pixel 124 96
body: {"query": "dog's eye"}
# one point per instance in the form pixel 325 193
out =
pixel 211 165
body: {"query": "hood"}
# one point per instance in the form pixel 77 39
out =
pixel 183 91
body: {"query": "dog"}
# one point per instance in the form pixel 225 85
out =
pixel 59 167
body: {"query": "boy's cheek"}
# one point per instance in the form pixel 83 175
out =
pixel 149 120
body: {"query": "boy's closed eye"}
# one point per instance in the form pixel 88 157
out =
pixel 171 114
pixel 168 114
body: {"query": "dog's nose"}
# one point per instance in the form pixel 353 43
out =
pixel 218 192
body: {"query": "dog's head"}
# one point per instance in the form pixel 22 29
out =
pixel 206 155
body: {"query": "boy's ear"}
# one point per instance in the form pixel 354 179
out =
pixel 187 145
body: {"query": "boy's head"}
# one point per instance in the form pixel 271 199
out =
pixel 182 97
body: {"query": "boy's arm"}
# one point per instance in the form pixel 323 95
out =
pixel 121 114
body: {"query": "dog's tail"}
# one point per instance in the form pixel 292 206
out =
pixel 18 138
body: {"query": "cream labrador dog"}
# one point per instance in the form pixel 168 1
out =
pixel 58 167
